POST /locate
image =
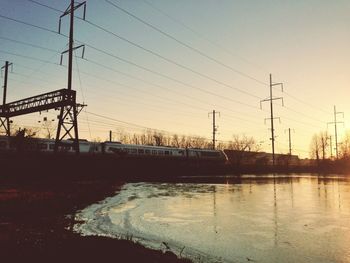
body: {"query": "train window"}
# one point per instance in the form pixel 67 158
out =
pixel 66 148
pixel 141 151
pixel 51 146
pixel 134 151
pixel 3 144
pixel 42 146
pixel 181 152
pixel 154 152
pixel 210 154
pixel 148 151
pixel 166 152
pixel 160 152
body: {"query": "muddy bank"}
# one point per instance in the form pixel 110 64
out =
pixel 36 220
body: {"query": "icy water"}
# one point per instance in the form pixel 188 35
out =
pixel 250 219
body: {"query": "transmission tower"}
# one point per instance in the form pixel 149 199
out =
pixel 272 118
pixel 335 122
pixel 5 121
pixel 215 128
pixel 67 120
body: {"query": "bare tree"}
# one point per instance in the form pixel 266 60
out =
pixel 319 146
pixel 198 142
pixel 345 146
pixel 175 142
pixel 158 139
pixel 240 145
pixel 315 147
pixel 49 129
pixel 323 140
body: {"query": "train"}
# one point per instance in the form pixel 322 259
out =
pixel 117 149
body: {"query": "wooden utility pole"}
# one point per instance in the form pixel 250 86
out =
pixel 214 126
pixel 290 142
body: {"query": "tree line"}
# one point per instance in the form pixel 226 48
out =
pixel 323 147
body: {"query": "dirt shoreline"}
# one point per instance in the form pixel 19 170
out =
pixel 36 219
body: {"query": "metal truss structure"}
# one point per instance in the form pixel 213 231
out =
pixel 63 99
pixel 42 102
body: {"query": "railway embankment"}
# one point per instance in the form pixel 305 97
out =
pixel 26 167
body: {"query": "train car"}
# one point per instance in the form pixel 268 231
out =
pixel 132 150
pixel 48 145
pixel 42 145
pixel 113 148
pixel 4 143
pixel 207 155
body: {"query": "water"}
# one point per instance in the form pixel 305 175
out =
pixel 270 219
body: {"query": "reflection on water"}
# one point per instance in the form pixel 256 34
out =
pixel 250 218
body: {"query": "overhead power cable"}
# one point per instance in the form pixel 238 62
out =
pixel 167 59
pixel 172 61
pixel 203 37
pixel 29 44
pixel 185 44
pixel 28 24
pixel 131 63
pixel 32 58
pixel 147 69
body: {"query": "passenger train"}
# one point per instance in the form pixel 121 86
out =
pixel 117 149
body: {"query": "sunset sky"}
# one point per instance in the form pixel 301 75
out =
pixel 192 57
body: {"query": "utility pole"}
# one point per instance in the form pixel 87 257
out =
pixel 271 99
pixel 110 136
pixel 330 144
pixel 290 141
pixel 335 122
pixel 5 122
pixel 215 128
pixel 69 113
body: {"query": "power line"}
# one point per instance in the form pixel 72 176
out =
pixel 166 59
pixel 109 81
pixel 306 103
pixel 205 91
pixel 156 85
pixel 303 114
pixel 27 57
pixel 47 6
pixel 128 123
pixel 200 35
pixel 184 44
pixel 28 24
pixel 101 65
pixel 174 62
pixel 139 66
pixel 57 10
pixel 29 44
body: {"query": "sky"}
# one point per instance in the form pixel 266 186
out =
pixel 166 64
